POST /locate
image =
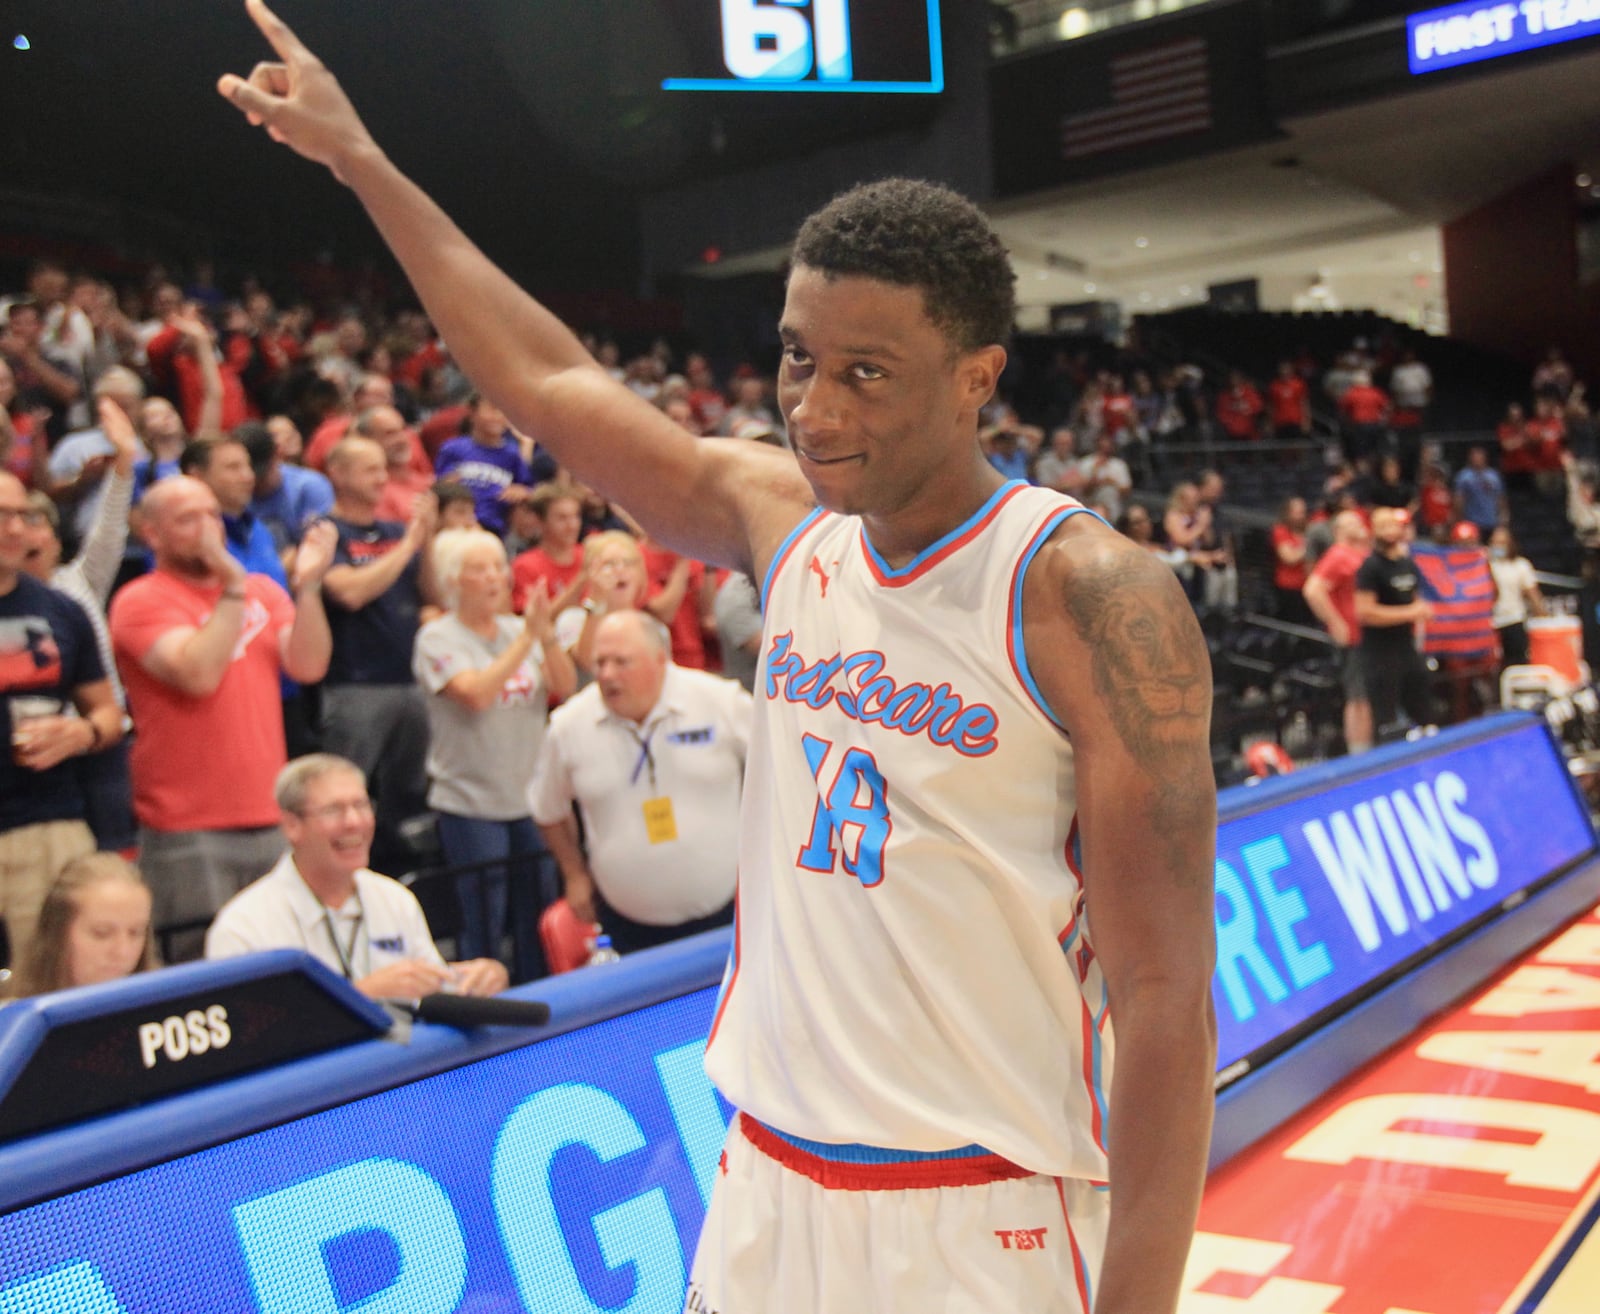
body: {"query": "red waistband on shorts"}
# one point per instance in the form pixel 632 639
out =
pixel 863 1168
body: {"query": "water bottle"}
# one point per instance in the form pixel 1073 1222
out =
pixel 600 951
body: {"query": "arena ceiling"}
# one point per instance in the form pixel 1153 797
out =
pixel 1356 194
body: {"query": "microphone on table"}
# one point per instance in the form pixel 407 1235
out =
pixel 468 1011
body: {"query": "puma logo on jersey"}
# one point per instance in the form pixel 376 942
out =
pixel 1021 1238
pixel 821 574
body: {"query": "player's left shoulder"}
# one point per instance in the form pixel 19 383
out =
pixel 1111 636
pixel 1085 564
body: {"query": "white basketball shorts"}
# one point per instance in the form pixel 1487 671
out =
pixel 799 1227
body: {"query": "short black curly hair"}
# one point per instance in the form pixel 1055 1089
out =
pixel 918 234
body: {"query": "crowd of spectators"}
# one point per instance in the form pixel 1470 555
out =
pixel 1351 434
pixel 235 536
pixel 244 534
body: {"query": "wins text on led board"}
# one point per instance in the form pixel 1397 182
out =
pixel 1322 894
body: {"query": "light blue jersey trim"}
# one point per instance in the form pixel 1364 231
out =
pixel 873 1154
pixel 1019 651
pixel 783 551
pixel 965 527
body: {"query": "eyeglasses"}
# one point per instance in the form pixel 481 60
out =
pixel 361 807
pixel 26 515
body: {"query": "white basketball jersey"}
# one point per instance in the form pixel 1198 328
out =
pixel 912 966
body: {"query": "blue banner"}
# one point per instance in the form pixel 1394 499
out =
pixel 1469 33
pixel 1319 896
pixel 567 1176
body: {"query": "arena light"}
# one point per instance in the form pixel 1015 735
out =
pixel 1073 23
pixel 20 42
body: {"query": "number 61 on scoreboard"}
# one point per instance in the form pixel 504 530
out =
pixel 819 45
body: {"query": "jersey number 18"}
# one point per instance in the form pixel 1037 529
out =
pixel 851 821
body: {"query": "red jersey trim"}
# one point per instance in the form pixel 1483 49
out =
pixel 733 977
pixel 923 1174
pixel 891 578
pixel 1080 1270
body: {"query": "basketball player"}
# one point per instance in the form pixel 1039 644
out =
pixel 979 818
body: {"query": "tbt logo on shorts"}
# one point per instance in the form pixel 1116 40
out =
pixel 1022 1238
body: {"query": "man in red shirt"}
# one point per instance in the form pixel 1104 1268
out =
pixel 1365 411
pixel 1436 503
pixel 180 373
pixel 1117 415
pixel 1239 409
pixel 1331 595
pixel 695 617
pixel 1289 561
pixel 1546 444
pixel 1288 404
pixel 1516 452
pixel 201 646
pixel 557 563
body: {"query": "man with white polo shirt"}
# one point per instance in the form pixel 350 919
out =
pixel 321 896
pixel 653 756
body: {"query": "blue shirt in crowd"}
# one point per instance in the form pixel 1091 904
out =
pixel 301 496
pixel 1480 492
pixel 487 471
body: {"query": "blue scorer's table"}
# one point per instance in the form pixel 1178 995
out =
pixel 567 1169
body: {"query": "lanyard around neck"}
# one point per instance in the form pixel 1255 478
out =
pixel 346 953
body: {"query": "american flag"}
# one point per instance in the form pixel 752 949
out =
pixel 1156 93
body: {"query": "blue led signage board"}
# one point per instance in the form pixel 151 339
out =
pixel 571 1175
pixel 1459 34
pixel 1320 895
pixel 813 46
pixel 567 1176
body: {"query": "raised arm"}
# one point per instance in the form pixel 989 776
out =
pixel 193 659
pixel 354 587
pixel 1119 657
pixel 306 646
pixel 1319 597
pixel 198 337
pixel 101 556
pixel 730 503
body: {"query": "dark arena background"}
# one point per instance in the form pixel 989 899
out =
pixel 1283 269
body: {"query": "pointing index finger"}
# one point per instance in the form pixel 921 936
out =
pixel 278 33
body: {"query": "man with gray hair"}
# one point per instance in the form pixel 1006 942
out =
pixel 322 897
pixel 652 755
